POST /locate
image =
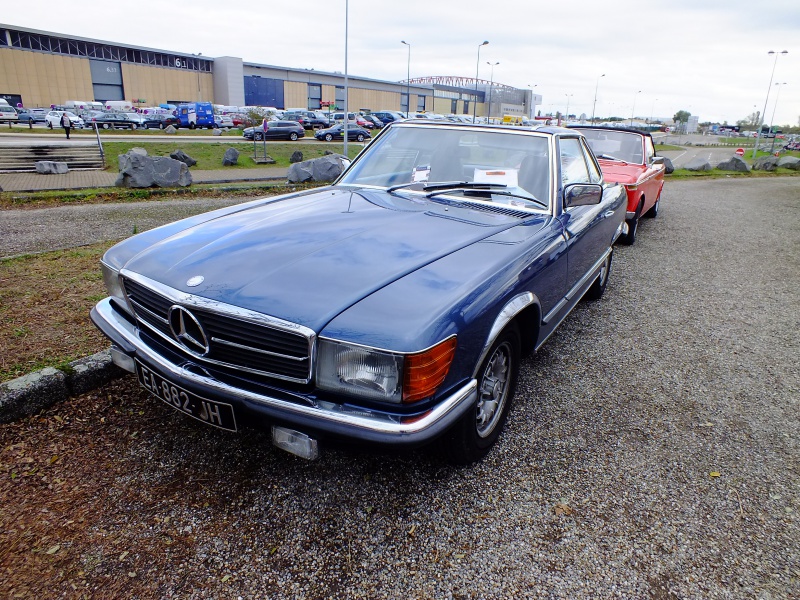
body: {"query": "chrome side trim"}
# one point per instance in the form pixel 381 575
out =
pixel 512 308
pixel 629 214
pixel 577 287
pixel 359 420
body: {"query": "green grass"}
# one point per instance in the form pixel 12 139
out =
pixel 209 155
pixel 668 147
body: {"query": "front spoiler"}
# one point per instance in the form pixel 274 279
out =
pixel 338 420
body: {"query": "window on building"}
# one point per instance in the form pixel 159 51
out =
pixel 314 96
pixel 403 102
pixel 339 97
pixel 420 103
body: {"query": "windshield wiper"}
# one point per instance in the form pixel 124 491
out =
pixel 495 189
pixel 448 185
pixel 609 157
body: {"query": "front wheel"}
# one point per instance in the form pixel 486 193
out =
pixel 653 212
pixel 328 137
pixel 472 437
pixel 595 292
pixel 49 124
pixel 258 136
pixel 293 136
pixel 360 137
pixel 134 126
pixel 106 126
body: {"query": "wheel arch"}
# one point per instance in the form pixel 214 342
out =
pixel 525 311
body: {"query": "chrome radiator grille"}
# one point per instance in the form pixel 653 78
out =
pixel 233 340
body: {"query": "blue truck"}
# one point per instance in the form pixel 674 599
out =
pixel 196 114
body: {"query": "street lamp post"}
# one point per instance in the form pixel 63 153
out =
pixel 408 78
pixel 566 114
pixel 594 104
pixel 197 66
pixel 764 114
pixel 652 109
pixel 772 120
pixel 633 110
pixel 477 68
pixel 346 113
pixel 491 83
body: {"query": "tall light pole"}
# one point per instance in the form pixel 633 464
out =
pixel 566 114
pixel 491 83
pixel 408 78
pixel 197 66
pixel 477 68
pixel 634 106
pixel 764 114
pixel 594 104
pixel 652 108
pixel 346 114
pixel 772 120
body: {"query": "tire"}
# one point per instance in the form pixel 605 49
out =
pixel 258 136
pixel 633 226
pixel 106 125
pixel 161 126
pixel 134 126
pixel 49 124
pixel 595 292
pixel 328 137
pixel 293 136
pixel 191 125
pixel 360 137
pixel 653 212
pixel 476 432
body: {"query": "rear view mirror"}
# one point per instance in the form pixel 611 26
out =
pixel 582 194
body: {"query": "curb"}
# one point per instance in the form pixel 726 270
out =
pixel 29 394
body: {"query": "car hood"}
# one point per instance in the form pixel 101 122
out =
pixel 307 258
pixel 620 172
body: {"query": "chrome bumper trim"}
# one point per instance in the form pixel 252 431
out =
pixel 327 416
pixel 630 215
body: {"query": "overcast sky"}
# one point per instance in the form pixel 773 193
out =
pixel 708 57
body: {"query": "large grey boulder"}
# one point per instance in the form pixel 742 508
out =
pixel 324 168
pixel 668 166
pixel 765 163
pixel 137 150
pixel 137 171
pixel 50 167
pixel 171 130
pixel 216 131
pixel 231 157
pixel 183 157
pixel 734 163
pixel 789 162
pixel 698 164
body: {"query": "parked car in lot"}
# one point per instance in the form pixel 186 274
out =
pixel 139 119
pixel 376 122
pixel 28 116
pixel 336 132
pixel 221 121
pixel 53 119
pixel 628 156
pixel 115 121
pixel 276 130
pixel 388 116
pixel 392 307
pixel 161 121
pixel 310 119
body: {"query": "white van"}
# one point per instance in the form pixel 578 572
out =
pixel 7 113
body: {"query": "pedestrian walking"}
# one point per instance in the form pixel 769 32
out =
pixel 66 123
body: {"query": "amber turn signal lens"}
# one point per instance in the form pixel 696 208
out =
pixel 425 371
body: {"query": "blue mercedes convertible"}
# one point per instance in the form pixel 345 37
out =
pixel 389 308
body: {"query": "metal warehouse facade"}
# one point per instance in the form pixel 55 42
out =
pixel 39 68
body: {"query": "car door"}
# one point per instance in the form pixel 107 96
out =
pixel 588 229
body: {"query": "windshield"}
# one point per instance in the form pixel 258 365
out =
pixel 620 145
pixel 417 157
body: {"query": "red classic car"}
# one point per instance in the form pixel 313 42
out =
pixel 627 156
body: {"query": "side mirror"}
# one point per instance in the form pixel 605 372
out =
pixel 657 160
pixel 582 194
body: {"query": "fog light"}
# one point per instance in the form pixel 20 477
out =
pixel 295 442
pixel 122 360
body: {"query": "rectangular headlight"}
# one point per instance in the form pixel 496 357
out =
pixel 359 371
pixel 112 282
pixel 381 375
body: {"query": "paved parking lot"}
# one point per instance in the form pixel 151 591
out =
pixel 653 451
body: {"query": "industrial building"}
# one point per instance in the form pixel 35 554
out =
pixel 40 68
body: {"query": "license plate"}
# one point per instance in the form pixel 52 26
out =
pixel 210 412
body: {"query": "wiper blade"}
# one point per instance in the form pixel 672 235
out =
pixel 493 191
pixel 460 185
pixel 609 157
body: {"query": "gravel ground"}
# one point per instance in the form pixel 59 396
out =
pixel 652 452
pixel 38 230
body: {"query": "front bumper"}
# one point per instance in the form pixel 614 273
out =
pixel 315 417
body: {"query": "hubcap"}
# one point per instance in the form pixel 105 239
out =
pixel 493 390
